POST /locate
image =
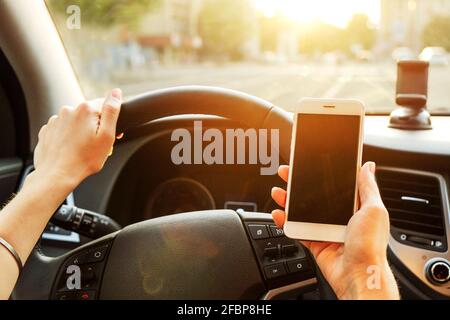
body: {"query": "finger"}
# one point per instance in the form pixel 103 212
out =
pixel 110 113
pixel 52 120
pixel 96 105
pixel 306 244
pixel 368 189
pixel 279 196
pixel 283 172
pixel 42 132
pixel 278 217
pixel 64 111
pixel 317 247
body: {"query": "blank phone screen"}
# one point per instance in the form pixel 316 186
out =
pixel 324 168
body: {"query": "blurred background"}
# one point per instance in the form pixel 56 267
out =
pixel 279 50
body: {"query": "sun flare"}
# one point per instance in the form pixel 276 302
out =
pixel 330 11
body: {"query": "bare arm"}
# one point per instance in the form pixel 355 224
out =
pixel 72 146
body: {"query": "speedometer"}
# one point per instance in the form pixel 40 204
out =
pixel 178 195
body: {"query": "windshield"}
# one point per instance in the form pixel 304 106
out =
pixel 279 50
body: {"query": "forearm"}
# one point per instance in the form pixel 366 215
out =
pixel 23 220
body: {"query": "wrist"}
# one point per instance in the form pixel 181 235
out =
pixel 56 184
pixel 372 282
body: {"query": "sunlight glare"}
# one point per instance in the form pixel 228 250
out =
pixel 334 12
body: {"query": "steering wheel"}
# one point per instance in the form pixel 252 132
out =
pixel 217 254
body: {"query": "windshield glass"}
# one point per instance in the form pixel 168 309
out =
pixel 279 50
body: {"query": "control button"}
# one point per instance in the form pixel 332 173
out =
pixel 88 276
pixel 269 243
pixel 85 295
pixel 276 232
pixel 275 270
pixel 297 265
pixel 70 295
pixel 97 254
pixel 258 231
pixel 76 220
pixel 63 214
pixel 288 250
pixel 87 222
pixel 271 252
pixel 439 272
pixel 77 259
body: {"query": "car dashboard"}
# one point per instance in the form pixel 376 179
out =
pixel 140 182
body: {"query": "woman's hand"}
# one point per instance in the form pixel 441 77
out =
pixel 76 143
pixel 357 269
pixel 72 145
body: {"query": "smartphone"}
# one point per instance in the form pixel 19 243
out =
pixel 325 159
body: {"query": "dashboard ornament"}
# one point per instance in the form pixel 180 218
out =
pixel 411 96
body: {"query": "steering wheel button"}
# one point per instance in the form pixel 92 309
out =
pixel 271 252
pixel 289 250
pixel 258 231
pixel 65 295
pixel 297 265
pixel 275 270
pixel 276 232
pixel 97 254
pixel 86 295
pixel 77 259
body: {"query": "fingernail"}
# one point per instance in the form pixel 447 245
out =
pixel 117 93
pixel 114 98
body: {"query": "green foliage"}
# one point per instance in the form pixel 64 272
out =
pixel 322 37
pixel 269 29
pixel 224 26
pixel 106 13
pixel 359 32
pixel 437 32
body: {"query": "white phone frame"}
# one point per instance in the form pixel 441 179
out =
pixel 319 231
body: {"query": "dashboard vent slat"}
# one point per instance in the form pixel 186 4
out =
pixel 414 202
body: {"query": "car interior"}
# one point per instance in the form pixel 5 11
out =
pixel 150 229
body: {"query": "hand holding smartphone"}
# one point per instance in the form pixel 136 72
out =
pixel 326 151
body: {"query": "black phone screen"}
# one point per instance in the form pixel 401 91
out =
pixel 324 168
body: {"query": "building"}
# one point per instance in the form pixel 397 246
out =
pixel 171 27
pixel 402 21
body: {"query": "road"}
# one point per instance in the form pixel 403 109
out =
pixel 285 84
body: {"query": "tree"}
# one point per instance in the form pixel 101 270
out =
pixel 437 32
pixel 270 29
pixel 359 32
pixel 224 26
pixel 321 37
pixel 107 13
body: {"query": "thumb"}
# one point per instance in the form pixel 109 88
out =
pixel 110 112
pixel 367 186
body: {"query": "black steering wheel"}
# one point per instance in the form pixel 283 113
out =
pixel 218 254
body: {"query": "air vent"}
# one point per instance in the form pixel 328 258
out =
pixel 415 208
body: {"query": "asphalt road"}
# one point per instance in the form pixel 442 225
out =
pixel 285 84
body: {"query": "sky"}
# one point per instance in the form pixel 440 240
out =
pixel 336 12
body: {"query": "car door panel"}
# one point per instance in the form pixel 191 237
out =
pixel 10 170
